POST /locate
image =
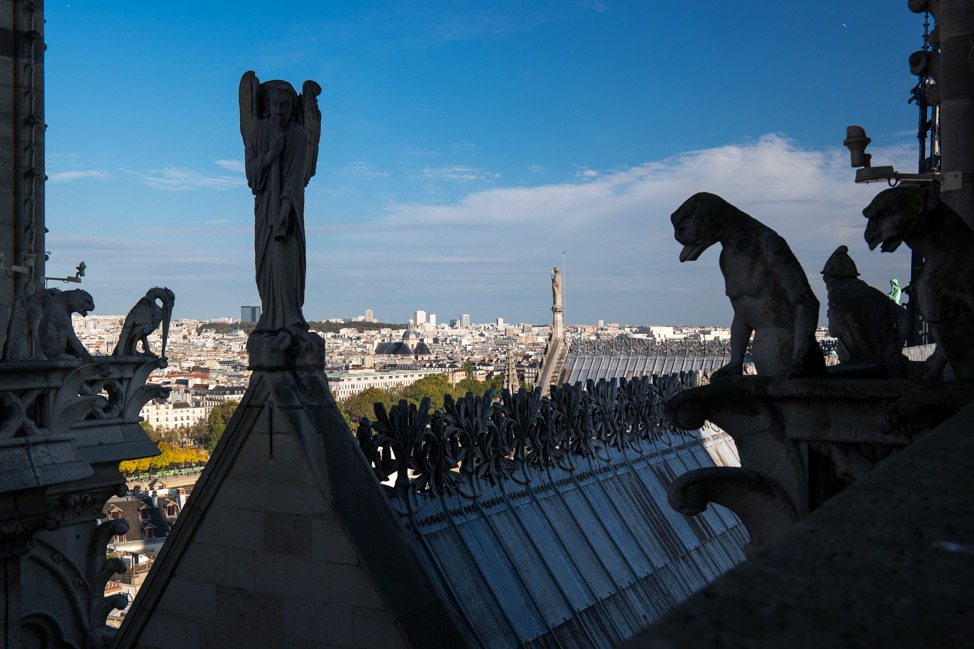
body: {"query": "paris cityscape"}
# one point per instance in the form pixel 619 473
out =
pixel 211 356
pixel 575 325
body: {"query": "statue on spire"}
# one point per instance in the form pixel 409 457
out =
pixel 556 290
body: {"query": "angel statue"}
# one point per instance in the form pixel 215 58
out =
pixel 280 130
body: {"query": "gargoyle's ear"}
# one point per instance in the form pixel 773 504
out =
pixel 931 199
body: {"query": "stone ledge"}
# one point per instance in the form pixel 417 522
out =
pixel 887 563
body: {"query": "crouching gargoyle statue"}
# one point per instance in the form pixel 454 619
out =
pixel 765 283
pixel 49 317
pixel 942 287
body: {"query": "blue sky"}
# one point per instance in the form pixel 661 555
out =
pixel 466 145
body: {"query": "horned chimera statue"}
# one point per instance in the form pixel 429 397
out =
pixel 49 318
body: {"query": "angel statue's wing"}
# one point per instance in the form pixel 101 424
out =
pixel 311 120
pixel 248 97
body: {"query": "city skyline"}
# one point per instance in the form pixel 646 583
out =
pixel 467 149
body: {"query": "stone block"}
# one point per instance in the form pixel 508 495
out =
pixel 350 585
pixel 204 562
pixel 322 623
pixel 7 160
pixel 287 534
pixel 241 568
pixel 330 542
pixel 224 636
pixel 6 76
pixel 233 528
pixel 292 577
pixel 372 628
pixel 189 599
pixel 270 497
pixel 162 629
pixel 239 607
pixel 287 466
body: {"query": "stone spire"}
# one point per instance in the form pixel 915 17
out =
pixel 510 372
pixel 557 350
pixel 558 304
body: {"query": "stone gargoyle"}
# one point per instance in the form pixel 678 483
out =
pixel 143 319
pixel 943 287
pixel 871 328
pixel 49 317
pixel 765 283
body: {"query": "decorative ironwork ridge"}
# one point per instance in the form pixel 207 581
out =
pixel 476 443
pixel 719 348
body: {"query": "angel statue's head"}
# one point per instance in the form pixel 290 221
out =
pixel 280 102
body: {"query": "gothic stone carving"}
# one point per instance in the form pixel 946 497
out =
pixel 280 130
pixel 942 286
pixel 49 316
pixel 870 327
pixel 144 318
pixel 557 298
pixel 800 441
pixel 765 283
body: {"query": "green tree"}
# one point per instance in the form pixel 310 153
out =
pixel 433 386
pixel 220 416
pixel 495 383
pixel 470 385
pixel 151 432
pixel 360 405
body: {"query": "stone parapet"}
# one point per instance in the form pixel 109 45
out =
pixel 886 563
pixel 64 427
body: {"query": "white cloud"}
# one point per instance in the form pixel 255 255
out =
pixel 231 165
pixel 68 176
pixel 178 179
pixel 457 172
pixel 363 168
pixel 615 228
pixel 490 252
pixel 466 260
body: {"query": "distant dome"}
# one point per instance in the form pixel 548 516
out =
pixel 411 334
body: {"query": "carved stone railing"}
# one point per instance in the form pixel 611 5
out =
pixel 72 409
pixel 476 443
pixel 64 427
pixel 801 441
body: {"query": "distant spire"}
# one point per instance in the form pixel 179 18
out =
pixel 510 375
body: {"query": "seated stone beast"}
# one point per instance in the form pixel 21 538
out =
pixel 765 283
pixel 943 286
pixel 870 327
pixel 49 315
